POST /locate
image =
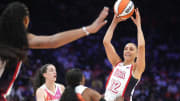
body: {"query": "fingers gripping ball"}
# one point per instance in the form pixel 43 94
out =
pixel 124 8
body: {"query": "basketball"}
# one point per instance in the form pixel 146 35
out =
pixel 124 8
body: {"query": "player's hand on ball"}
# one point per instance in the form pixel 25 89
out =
pixel 137 20
pixel 118 19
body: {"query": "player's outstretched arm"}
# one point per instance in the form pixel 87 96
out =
pixel 40 95
pixel 62 38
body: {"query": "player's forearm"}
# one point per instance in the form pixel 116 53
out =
pixel 56 40
pixel 62 38
pixel 141 51
pixel 141 41
pixel 109 33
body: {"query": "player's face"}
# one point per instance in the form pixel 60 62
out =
pixel 130 52
pixel 50 73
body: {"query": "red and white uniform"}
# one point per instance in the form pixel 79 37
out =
pixel 79 90
pixel 9 73
pixel 120 83
pixel 51 96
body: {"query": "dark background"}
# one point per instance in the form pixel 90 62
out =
pixel 160 23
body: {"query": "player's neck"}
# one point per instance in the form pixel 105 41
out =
pixel 50 85
pixel 128 62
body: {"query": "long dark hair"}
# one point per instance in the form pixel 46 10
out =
pixel 13 34
pixel 38 79
pixel 73 78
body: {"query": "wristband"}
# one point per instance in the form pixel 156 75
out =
pixel 85 30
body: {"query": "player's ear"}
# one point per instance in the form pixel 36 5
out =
pixel 44 75
pixel 26 21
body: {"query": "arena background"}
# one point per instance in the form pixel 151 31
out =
pixel 160 22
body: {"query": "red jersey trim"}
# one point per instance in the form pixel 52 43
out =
pixel 127 81
pixel 111 73
pixel 79 96
pixel 14 78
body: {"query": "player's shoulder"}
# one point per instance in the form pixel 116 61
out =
pixel 61 86
pixel 40 91
pixel 119 64
pixel 92 93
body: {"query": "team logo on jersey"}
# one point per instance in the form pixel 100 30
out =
pixel 127 67
pixel 120 74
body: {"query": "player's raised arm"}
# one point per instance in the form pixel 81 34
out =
pixel 140 63
pixel 111 53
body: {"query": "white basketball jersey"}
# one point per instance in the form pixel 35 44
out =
pixel 80 89
pixel 118 81
pixel 52 96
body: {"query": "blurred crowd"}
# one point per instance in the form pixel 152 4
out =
pixel 161 79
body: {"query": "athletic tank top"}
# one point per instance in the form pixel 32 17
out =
pixel 120 83
pixel 79 90
pixel 50 96
pixel 9 73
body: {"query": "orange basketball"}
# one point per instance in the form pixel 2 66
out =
pixel 124 8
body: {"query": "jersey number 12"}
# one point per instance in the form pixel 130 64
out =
pixel 115 84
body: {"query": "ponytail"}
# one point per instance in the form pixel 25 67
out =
pixel 73 79
pixel 69 94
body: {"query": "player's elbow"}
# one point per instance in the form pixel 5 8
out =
pixel 141 46
pixel 54 44
pixel 106 42
pixel 49 46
